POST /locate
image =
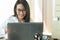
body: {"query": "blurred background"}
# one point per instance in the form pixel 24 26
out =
pixel 46 11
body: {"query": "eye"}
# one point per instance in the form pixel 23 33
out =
pixel 19 9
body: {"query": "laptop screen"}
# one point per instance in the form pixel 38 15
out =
pixel 24 31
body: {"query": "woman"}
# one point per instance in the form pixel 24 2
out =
pixel 21 11
pixel 21 14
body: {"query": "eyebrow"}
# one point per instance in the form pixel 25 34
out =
pixel 21 9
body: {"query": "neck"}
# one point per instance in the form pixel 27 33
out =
pixel 20 20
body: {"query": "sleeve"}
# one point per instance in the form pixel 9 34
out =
pixel 4 24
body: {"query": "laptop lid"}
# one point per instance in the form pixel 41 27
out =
pixel 24 31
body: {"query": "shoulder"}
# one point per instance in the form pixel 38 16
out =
pixel 31 20
pixel 12 19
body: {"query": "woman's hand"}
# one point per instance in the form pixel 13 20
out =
pixel 7 30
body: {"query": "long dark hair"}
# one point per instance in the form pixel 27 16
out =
pixel 25 4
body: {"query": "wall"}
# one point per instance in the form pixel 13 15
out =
pixel 36 10
pixel 47 16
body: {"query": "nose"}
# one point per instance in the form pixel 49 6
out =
pixel 21 12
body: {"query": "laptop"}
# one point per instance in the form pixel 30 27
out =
pixel 24 31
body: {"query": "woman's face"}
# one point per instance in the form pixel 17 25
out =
pixel 21 12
